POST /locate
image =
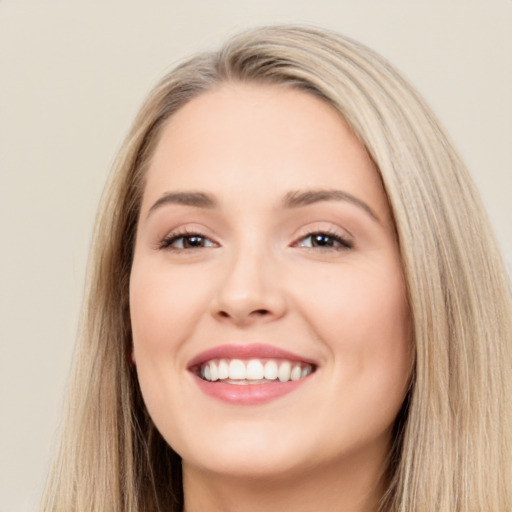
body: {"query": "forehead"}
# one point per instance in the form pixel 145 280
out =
pixel 246 138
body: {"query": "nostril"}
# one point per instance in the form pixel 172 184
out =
pixel 255 313
pixel 260 312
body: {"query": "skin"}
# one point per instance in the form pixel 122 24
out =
pixel 258 277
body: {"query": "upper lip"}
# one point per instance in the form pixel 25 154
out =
pixel 247 351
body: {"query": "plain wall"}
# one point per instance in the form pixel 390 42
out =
pixel 72 75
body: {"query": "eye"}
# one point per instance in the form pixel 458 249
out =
pixel 324 240
pixel 184 241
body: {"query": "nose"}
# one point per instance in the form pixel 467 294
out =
pixel 249 290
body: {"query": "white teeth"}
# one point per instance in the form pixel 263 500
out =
pixel 284 371
pixel 271 370
pixel 223 369
pixel 253 371
pixel 236 369
pixel 296 372
pixel 214 372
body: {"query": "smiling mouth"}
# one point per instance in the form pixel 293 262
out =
pixel 252 371
pixel 250 374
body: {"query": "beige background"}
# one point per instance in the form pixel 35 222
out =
pixel 72 75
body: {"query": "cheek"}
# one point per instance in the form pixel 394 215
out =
pixel 159 308
pixel 364 323
pixel 163 307
pixel 358 303
pixel 162 319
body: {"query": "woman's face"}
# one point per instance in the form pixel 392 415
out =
pixel 268 306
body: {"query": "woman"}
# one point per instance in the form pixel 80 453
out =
pixel 295 300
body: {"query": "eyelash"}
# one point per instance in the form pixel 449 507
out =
pixel 167 242
pixel 342 243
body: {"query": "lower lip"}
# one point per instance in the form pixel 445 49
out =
pixel 248 394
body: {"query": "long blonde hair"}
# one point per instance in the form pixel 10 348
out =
pixel 452 449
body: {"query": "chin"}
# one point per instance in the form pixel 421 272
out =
pixel 256 454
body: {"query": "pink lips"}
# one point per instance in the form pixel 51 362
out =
pixel 250 394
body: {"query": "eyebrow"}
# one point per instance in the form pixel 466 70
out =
pixel 293 199
pixel 197 199
pixel 297 199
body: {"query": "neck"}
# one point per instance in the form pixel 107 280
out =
pixel 355 487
